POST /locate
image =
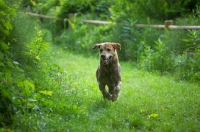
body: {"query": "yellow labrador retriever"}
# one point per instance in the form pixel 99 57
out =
pixel 108 72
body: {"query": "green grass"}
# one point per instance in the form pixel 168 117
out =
pixel 147 102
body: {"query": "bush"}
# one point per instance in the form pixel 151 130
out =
pixel 27 73
pixel 7 65
pixel 187 64
pixel 81 38
pixel 62 9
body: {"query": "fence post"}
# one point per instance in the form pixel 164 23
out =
pixel 71 19
pixel 168 23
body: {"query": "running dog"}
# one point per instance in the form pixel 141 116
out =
pixel 108 72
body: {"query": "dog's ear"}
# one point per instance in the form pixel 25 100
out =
pixel 96 46
pixel 116 46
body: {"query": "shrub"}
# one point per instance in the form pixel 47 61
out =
pixel 25 65
pixel 157 10
pixel 7 65
pixel 187 64
pixel 81 38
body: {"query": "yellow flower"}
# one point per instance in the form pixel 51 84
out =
pixel 153 115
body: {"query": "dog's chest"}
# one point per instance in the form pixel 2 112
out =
pixel 107 75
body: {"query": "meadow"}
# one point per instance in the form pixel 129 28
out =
pixel 147 101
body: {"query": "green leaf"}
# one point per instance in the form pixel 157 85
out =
pixel 8 25
pixel 2 64
pixel 8 74
pixel 45 92
pixel 186 40
pixel 29 84
pixel 3 46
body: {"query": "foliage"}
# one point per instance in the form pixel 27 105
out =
pixel 91 6
pixel 7 65
pixel 159 60
pixel 173 58
pixel 81 38
pixel 158 10
pixel 128 38
pixel 188 63
pixel 193 40
pixel 25 64
pixel 62 9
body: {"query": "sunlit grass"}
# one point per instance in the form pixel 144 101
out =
pixel 147 102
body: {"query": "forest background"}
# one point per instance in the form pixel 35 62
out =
pixel 28 71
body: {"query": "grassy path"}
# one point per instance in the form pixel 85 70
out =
pixel 147 102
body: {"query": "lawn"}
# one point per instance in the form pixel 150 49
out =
pixel 147 102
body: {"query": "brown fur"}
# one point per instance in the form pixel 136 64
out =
pixel 108 72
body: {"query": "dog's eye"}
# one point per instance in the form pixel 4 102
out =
pixel 108 50
pixel 101 50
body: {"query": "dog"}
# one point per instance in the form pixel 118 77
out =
pixel 108 72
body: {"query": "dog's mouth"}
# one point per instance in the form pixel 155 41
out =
pixel 106 60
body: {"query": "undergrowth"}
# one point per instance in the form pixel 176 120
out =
pixel 27 75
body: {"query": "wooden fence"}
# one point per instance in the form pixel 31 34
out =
pixel 167 24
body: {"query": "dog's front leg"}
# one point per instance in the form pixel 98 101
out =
pixel 104 92
pixel 116 91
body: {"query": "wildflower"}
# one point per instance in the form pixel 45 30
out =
pixel 153 115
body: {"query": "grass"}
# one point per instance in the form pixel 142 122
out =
pixel 147 102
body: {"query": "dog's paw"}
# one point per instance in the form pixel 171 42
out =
pixel 107 96
pixel 114 97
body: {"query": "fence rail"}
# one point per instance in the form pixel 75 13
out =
pixel 98 22
pixel 43 16
pixel 167 24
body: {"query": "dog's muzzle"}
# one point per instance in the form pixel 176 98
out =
pixel 105 59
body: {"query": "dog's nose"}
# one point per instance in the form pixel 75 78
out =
pixel 103 56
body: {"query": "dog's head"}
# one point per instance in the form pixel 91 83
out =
pixel 107 51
